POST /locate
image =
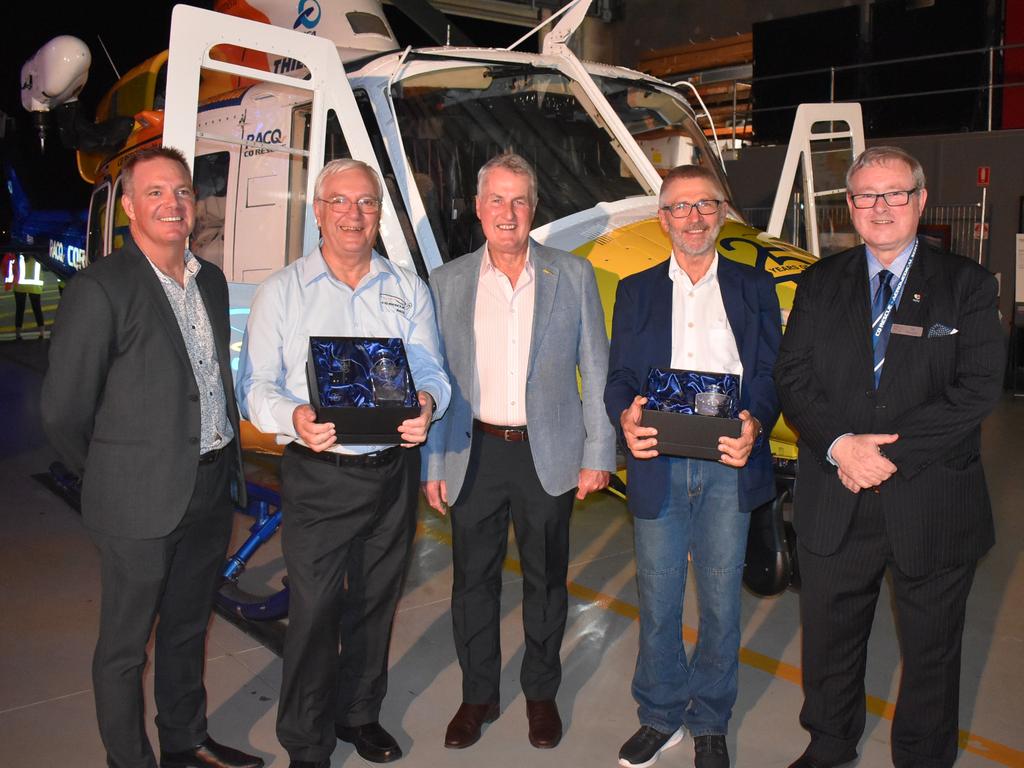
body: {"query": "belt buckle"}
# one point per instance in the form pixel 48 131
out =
pixel 513 435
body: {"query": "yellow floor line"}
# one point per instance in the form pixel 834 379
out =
pixel 969 742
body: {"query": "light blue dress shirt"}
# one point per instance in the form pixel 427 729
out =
pixel 304 299
pixel 896 268
pixel 874 267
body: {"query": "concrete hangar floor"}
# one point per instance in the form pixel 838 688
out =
pixel 49 591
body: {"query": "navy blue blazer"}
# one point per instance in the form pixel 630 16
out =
pixel 642 338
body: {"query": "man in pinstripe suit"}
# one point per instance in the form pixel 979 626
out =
pixel 892 358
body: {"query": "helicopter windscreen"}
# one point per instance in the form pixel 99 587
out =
pixel 662 124
pixel 453 120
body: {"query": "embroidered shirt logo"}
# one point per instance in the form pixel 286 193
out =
pixel 395 304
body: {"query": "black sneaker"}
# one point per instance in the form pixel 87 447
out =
pixel 645 745
pixel 710 751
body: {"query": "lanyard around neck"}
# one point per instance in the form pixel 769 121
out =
pixel 880 321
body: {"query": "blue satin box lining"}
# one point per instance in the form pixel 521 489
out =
pixel 347 372
pixel 675 391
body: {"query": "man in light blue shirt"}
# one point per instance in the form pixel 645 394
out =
pixel 350 509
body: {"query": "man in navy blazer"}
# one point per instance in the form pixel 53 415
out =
pixel 696 311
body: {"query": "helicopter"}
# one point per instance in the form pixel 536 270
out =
pixel 259 98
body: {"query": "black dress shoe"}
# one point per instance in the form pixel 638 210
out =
pixel 464 729
pixel 806 761
pixel 545 724
pixel 209 754
pixel 371 741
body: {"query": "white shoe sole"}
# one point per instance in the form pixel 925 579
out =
pixel 674 739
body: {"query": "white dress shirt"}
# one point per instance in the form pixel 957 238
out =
pixel 503 329
pixel 702 339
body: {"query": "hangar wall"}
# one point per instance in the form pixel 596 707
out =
pixel 649 25
pixel 951 163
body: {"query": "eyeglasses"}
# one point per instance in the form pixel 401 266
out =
pixel 342 204
pixel 682 210
pixel 894 199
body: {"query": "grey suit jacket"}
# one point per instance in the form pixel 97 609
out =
pixel 120 402
pixel 566 434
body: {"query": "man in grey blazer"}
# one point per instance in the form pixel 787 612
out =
pixel 517 322
pixel 138 401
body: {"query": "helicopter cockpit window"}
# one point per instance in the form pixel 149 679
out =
pixel 211 183
pixel 453 120
pixel 367 24
pixel 662 124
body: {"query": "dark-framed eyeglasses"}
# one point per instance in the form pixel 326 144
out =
pixel 342 204
pixel 682 210
pixel 894 199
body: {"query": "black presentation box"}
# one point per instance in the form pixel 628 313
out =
pixel 363 385
pixel 676 403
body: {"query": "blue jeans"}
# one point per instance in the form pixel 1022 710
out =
pixel 700 517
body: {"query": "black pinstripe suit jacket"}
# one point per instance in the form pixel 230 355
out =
pixel 934 393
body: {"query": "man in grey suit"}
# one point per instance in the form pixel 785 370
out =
pixel 138 401
pixel 517 321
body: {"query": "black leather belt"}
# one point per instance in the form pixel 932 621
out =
pixel 210 456
pixel 375 459
pixel 508 434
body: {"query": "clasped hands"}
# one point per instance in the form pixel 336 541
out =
pixel 860 461
pixel 643 441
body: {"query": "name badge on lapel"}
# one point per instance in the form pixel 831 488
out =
pixel 907 330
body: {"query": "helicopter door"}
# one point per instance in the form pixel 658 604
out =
pixel 261 185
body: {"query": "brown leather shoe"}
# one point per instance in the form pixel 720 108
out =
pixel 464 729
pixel 545 724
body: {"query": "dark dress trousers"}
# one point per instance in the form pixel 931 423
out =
pixel 120 404
pixel 928 524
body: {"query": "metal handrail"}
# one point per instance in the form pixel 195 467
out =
pixel 991 87
pixel 903 60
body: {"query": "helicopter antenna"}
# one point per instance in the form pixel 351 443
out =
pixel 109 59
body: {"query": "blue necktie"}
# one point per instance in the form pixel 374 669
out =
pixel 878 304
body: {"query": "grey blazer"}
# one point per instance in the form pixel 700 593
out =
pixel 120 402
pixel 566 434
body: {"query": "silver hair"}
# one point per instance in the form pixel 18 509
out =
pixel 346 164
pixel 510 161
pixel 687 172
pixel 883 156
